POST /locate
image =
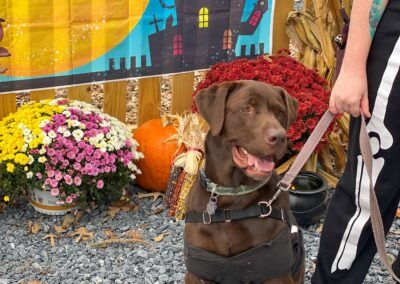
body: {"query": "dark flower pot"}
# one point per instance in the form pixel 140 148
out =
pixel 308 197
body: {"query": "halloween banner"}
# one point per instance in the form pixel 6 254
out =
pixel 50 43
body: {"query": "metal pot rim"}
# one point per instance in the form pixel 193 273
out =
pixel 314 175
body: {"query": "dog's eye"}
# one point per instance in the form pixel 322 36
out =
pixel 245 108
pixel 281 116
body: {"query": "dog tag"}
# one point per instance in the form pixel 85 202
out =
pixel 212 205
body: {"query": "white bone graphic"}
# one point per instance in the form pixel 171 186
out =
pixel 348 246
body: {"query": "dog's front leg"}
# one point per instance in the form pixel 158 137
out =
pixel 190 278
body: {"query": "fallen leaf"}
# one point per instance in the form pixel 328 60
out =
pixel 78 216
pixel 106 243
pixel 113 211
pixel 398 213
pixel 133 234
pixel 124 205
pixel 157 211
pixel 35 228
pixel 319 229
pixel 59 229
pixel 82 234
pixel 52 238
pixel 109 234
pixel 33 282
pixel 160 237
pixel 155 195
pixel 69 219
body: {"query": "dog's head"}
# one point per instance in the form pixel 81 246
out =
pixel 251 118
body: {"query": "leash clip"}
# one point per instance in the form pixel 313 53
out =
pixel 267 206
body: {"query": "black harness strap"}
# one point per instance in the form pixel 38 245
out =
pixel 256 211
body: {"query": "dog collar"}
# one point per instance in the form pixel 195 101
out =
pixel 225 190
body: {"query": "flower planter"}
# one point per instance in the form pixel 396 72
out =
pixel 308 197
pixel 43 202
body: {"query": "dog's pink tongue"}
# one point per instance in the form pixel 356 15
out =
pixel 265 164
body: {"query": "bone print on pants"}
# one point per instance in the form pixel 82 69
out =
pixel 347 245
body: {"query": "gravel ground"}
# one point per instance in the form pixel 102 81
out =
pixel 25 256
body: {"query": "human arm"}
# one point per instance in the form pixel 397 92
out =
pixel 350 91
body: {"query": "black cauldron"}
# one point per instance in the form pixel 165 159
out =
pixel 308 197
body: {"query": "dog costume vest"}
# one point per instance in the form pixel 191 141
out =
pixel 282 255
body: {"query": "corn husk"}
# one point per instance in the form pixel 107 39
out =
pixel 330 178
pixel 312 31
pixel 325 159
pixel 191 132
pixel 285 166
pixel 340 154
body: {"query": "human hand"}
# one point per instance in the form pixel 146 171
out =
pixel 350 94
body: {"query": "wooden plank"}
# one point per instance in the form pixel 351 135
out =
pixel 182 90
pixel 115 99
pixel 80 93
pixel 42 95
pixel 8 104
pixel 149 99
pixel 279 37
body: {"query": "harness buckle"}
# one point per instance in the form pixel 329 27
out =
pixel 206 218
pixel 227 213
pixel 264 207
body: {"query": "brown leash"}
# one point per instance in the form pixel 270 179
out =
pixel 366 153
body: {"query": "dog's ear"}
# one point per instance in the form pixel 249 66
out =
pixel 211 104
pixel 291 106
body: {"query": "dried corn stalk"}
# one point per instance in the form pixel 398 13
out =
pixel 312 31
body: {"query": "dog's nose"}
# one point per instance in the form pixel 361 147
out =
pixel 276 136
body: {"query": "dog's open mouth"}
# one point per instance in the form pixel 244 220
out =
pixel 253 166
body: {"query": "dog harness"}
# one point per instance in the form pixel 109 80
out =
pixel 280 256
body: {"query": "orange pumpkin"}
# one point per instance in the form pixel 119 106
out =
pixel 158 154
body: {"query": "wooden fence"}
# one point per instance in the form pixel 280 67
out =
pixel 115 101
pixel 149 88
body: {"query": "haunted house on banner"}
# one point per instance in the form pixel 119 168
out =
pixel 70 42
pixel 207 32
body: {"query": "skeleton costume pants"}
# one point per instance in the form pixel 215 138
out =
pixel 347 244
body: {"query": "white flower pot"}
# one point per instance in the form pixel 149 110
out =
pixel 43 202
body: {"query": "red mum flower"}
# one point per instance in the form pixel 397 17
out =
pixel 306 85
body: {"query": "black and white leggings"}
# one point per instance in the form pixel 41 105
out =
pixel 347 245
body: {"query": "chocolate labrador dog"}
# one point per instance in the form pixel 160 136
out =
pixel 236 230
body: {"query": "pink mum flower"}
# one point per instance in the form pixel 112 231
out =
pixel 53 182
pixel 100 184
pixel 54 191
pixel 51 152
pixel 77 166
pixel 69 199
pixel 68 179
pixel 77 180
pixel 58 176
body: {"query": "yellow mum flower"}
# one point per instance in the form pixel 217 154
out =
pixel 6 198
pixel 10 167
pixel 21 159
